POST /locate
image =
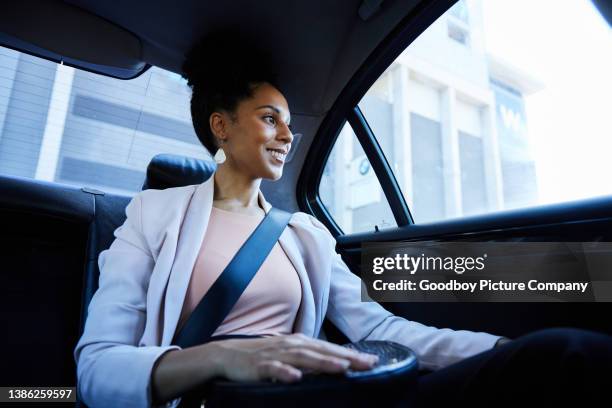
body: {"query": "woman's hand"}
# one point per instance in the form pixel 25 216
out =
pixel 283 357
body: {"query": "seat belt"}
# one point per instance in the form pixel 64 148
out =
pixel 227 289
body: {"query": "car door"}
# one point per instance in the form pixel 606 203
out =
pixel 462 128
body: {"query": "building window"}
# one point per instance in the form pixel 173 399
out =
pixel 460 11
pixel 459 33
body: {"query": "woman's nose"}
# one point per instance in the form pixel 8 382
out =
pixel 286 134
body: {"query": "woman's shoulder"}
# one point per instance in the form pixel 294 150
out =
pixel 160 205
pixel 304 218
pixel 300 218
pixel 167 197
pixel 309 222
pixel 172 193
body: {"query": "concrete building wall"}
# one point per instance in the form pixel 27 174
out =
pixel 75 127
pixel 435 112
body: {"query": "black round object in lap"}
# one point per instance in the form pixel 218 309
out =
pixel 393 379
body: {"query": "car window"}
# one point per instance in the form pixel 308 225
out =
pixel 349 189
pixel 65 125
pixel 499 104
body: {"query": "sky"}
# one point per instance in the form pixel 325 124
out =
pixel 566 45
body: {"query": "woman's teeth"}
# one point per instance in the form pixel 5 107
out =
pixel 277 155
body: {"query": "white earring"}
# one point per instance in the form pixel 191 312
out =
pixel 220 156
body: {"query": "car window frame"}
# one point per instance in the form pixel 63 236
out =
pixel 346 108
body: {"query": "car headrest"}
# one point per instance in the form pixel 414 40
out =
pixel 169 170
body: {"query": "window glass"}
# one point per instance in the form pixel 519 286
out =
pixel 350 190
pixel 65 125
pixel 479 115
pixel 458 23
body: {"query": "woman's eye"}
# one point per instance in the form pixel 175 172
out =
pixel 271 120
pixel 290 128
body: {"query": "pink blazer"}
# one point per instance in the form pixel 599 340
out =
pixel 144 277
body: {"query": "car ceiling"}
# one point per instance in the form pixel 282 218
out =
pixel 318 45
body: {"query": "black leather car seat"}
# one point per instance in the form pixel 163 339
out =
pixel 169 170
pixel 42 252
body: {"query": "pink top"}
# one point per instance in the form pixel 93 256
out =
pixel 269 304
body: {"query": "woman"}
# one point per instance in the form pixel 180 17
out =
pixel 175 243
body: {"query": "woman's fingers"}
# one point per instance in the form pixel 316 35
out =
pixel 283 357
pixel 310 359
pixel 358 361
pixel 276 370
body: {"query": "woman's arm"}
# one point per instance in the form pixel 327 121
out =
pixel 179 371
pixel 276 357
pixel 367 320
pixel 112 369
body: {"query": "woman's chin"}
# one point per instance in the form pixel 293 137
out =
pixel 273 174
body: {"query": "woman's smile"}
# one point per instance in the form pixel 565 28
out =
pixel 278 155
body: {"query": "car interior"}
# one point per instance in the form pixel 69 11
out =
pixel 329 54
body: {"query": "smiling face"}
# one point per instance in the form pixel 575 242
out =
pixel 257 138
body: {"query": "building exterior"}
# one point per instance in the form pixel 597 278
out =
pixel 61 124
pixel 451 120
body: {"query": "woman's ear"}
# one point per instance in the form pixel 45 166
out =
pixel 218 123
